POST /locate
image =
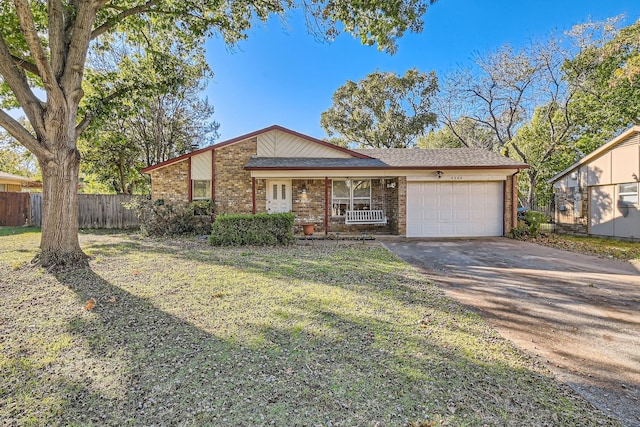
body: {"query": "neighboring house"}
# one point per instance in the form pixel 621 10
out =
pixel 412 192
pixel 12 183
pixel 599 194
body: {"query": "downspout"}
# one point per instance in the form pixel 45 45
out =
pixel 190 191
pixel 213 176
pixel 326 206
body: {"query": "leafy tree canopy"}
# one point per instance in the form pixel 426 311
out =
pixel 383 110
pixel 607 73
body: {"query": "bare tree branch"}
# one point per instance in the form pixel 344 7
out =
pixel 112 22
pixel 18 131
pixel 35 46
pixel 56 29
pixel 78 47
pixel 17 81
pixel 26 65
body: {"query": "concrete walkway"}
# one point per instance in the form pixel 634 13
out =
pixel 577 313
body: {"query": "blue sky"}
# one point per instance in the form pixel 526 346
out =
pixel 282 75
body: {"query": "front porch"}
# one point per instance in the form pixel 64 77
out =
pixel 351 206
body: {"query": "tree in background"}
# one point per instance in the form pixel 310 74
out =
pixel 607 72
pixel 468 133
pixel 149 128
pixel 545 144
pixel 45 45
pixel 383 110
pixel 526 100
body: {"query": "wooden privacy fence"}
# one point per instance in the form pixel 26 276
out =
pixel 94 211
pixel 14 209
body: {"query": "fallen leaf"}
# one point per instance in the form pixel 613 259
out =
pixel 90 304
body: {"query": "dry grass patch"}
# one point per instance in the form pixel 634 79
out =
pixel 601 247
pixel 341 334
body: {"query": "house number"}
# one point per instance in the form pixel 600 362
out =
pixel 455 178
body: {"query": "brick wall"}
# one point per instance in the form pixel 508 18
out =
pixel 508 204
pixel 261 195
pixel 309 208
pixel 171 183
pixel 402 206
pixel 232 181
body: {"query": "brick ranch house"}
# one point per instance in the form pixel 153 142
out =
pixel 410 192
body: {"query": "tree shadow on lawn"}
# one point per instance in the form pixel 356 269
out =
pixel 148 366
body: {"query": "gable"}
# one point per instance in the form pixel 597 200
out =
pixel 616 161
pixel 201 166
pixel 276 143
pixel 620 164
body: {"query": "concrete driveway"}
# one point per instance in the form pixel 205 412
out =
pixel 579 314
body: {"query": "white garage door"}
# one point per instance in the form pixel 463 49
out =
pixel 454 209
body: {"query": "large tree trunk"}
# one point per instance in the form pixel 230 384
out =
pixel 59 245
pixel 533 182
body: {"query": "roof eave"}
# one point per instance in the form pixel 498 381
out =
pixel 615 141
pixel 251 135
pixel 279 168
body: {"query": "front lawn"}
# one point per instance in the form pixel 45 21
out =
pixel 333 333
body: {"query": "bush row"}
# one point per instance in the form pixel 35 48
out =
pixel 258 229
pixel 158 218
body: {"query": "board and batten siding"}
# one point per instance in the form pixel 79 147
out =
pixel 201 166
pixel 619 165
pixel 281 144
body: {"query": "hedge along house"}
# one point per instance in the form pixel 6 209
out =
pixel 598 195
pixel 411 192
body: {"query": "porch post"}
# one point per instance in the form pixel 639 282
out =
pixel 213 175
pixel 514 200
pixel 189 183
pixel 253 195
pixel 326 205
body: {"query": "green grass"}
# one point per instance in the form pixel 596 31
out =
pixel 341 334
pixel 11 231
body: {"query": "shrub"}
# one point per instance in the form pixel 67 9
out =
pixel 530 225
pixel 158 218
pixel 259 229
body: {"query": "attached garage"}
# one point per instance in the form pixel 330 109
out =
pixel 455 209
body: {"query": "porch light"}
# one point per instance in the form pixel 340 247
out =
pixel 304 188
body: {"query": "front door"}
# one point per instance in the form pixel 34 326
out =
pixel 278 196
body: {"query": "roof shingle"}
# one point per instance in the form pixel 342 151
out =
pixel 440 157
pixel 312 163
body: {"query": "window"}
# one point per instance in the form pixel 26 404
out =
pixel 3 187
pixel 201 189
pixel 275 192
pixel 628 194
pixel 350 195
